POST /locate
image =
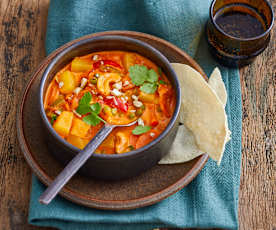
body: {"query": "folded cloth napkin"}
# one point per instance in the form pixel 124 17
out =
pixel 211 199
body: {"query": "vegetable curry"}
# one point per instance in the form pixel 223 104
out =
pixel 116 87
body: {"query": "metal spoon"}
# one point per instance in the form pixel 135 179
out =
pixel 74 165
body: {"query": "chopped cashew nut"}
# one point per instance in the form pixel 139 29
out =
pixel 137 104
pixel 140 121
pixel 77 90
pixel 118 85
pixel 60 84
pixel 116 92
pixel 83 82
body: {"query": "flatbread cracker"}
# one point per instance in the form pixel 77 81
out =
pixel 183 149
pixel 216 83
pixel 203 114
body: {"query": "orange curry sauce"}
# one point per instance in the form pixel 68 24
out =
pixel 106 77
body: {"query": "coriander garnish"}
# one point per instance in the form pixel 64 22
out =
pixel 131 147
pixel 138 74
pixel 92 110
pixel 160 71
pixel 161 82
pixel 141 76
pixel 152 76
pixel 140 129
pixel 149 88
pixel 53 118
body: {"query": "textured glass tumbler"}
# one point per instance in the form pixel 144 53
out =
pixel 234 51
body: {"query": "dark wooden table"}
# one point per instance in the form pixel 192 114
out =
pixel 22 34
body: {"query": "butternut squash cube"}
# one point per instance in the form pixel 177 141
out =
pixel 77 141
pixel 148 98
pixel 80 65
pixel 109 142
pixel 63 123
pixel 128 60
pixel 67 82
pixel 79 128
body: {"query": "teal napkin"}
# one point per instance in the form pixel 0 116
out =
pixel 210 200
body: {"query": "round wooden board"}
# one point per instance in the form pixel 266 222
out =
pixel 150 187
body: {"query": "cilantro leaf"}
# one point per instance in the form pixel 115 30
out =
pixel 131 147
pixel 83 109
pixel 152 76
pixel 141 129
pixel 84 106
pixel 149 88
pixel 159 71
pixel 91 119
pixel 96 108
pixel 138 74
pixel 86 98
pixel 53 118
pixel 98 117
pixel 162 82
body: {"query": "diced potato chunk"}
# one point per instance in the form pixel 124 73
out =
pixel 109 142
pixel 148 98
pixel 128 60
pixel 104 81
pixel 67 82
pixel 122 142
pixel 79 128
pixel 80 65
pixel 77 141
pixel 63 123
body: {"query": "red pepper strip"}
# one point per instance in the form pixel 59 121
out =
pixel 154 123
pixel 117 103
pixel 97 64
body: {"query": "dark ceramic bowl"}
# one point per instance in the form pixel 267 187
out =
pixel 104 166
pixel 236 51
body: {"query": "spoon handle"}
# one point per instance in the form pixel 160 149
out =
pixel 74 165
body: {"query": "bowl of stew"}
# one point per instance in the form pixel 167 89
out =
pixel 113 79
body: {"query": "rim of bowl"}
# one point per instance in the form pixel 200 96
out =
pixel 124 39
pixel 242 39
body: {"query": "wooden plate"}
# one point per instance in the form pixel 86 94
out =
pixel 151 187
